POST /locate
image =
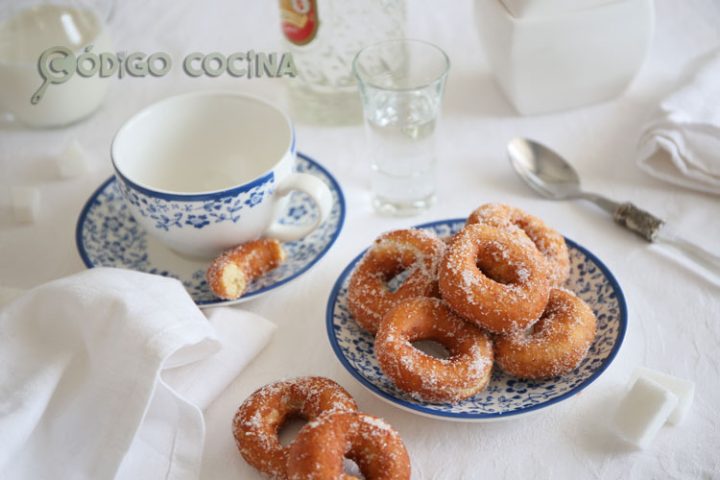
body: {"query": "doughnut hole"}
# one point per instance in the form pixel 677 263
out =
pixel 403 266
pixel 400 264
pixel 395 279
pixel 352 469
pixel 492 261
pixel 432 348
pixel 432 340
pixel 434 343
pixel 288 430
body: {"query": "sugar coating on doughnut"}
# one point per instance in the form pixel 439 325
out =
pixel 230 274
pixel 555 345
pixel 321 446
pixel 464 373
pixel 260 417
pixel 550 243
pixel 413 253
pixel 495 278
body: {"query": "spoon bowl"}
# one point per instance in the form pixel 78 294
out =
pixel 543 169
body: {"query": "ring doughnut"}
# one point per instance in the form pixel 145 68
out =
pixel 550 243
pixel 319 449
pixel 262 414
pixel 416 252
pixel 553 346
pixel 495 278
pixel 464 373
pixel 230 274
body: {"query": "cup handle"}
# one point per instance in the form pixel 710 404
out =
pixel 316 189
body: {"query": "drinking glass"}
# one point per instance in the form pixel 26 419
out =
pixel 401 83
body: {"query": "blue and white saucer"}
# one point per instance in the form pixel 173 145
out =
pixel 108 236
pixel 505 396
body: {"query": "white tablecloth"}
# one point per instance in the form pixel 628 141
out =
pixel 673 324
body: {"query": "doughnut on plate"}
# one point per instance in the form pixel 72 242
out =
pixel 505 397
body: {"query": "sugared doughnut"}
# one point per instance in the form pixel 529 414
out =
pixel 550 243
pixel 415 252
pixel 262 414
pixel 553 346
pixel 230 274
pixel 495 278
pixel 321 446
pixel 464 373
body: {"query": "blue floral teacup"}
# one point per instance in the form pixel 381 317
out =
pixel 206 171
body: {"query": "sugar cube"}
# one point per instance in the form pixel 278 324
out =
pixel 73 161
pixel 683 389
pixel 25 203
pixel 643 411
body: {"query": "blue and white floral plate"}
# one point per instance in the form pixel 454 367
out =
pixel 506 396
pixel 108 236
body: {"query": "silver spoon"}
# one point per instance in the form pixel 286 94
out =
pixel 550 175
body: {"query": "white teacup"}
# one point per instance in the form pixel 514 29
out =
pixel 206 171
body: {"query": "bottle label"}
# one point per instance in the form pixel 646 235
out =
pixel 299 20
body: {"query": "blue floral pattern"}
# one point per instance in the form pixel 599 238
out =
pixel 107 235
pixel 169 214
pixel 505 396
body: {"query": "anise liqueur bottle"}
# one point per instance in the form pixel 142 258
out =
pixel 324 36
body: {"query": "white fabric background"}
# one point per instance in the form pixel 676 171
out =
pixel 673 313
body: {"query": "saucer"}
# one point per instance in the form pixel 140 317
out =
pixel 506 396
pixel 108 236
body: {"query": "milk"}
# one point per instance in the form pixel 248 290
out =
pixel 23 38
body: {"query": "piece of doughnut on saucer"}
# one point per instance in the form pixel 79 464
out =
pixel 321 446
pixel 464 373
pixel 230 274
pixel 260 417
pixel 550 243
pixel 416 252
pixel 553 346
pixel 495 278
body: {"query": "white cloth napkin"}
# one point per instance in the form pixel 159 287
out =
pixel 682 143
pixel 105 374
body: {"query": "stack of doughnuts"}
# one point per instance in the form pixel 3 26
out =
pixel 335 430
pixel 491 295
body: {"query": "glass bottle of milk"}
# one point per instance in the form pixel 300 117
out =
pixel 324 36
pixel 26 30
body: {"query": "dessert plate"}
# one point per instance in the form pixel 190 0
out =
pixel 108 236
pixel 506 396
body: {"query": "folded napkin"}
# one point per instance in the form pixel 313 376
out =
pixel 105 374
pixel 682 143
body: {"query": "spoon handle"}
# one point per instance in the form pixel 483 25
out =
pixel 638 220
pixel 707 260
pixel 653 229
